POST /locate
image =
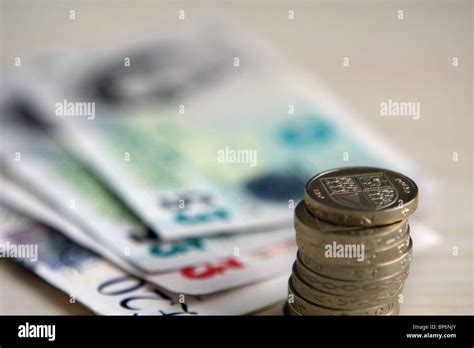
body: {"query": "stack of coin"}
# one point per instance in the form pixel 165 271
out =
pixel 354 245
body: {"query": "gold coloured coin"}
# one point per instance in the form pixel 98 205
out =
pixel 369 273
pixel 361 196
pixel 305 307
pixel 355 255
pixel 312 230
pixel 349 288
pixel 342 302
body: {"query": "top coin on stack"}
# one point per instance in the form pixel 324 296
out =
pixel 354 243
pixel 361 196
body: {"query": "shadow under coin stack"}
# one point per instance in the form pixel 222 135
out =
pixel 354 243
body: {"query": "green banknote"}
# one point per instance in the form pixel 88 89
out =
pixel 200 138
pixel 36 161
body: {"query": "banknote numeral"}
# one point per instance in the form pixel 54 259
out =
pixel 194 208
pixel 211 270
pixel 218 214
pixel 180 247
pixel 138 293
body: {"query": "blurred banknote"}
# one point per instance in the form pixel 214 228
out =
pixel 107 290
pixel 40 164
pixel 199 278
pixel 198 137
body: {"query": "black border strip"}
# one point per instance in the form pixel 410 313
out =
pixel 136 330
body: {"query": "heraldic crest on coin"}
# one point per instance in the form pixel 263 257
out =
pixel 366 191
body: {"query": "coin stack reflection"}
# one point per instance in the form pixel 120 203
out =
pixel 354 245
